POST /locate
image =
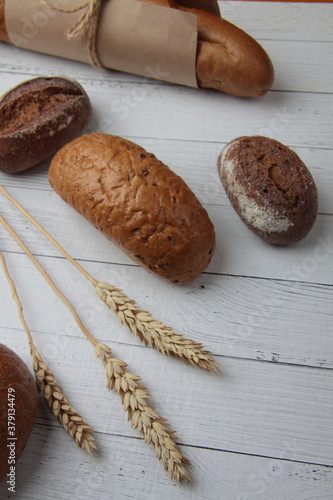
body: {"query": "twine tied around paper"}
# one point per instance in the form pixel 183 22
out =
pixel 86 24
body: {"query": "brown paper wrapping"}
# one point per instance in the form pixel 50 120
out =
pixel 208 5
pixel 133 37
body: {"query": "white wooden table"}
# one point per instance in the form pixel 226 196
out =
pixel 262 430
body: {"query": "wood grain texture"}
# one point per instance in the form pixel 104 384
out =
pixel 256 477
pixel 260 431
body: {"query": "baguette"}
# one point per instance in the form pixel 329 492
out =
pixel 137 202
pixel 227 59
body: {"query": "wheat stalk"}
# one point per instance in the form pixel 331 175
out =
pixel 142 416
pixel 68 417
pixel 73 423
pixel 124 383
pixel 140 323
pixel 152 332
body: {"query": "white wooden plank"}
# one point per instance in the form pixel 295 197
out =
pixel 264 409
pixel 281 20
pixel 195 162
pixel 179 113
pixel 300 66
pixel 310 260
pixel 304 68
pixel 280 321
pixel 239 477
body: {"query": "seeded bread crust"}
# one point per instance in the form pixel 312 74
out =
pixel 137 202
pixel 270 188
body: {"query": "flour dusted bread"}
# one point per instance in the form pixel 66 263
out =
pixel 270 188
pixel 18 408
pixel 137 202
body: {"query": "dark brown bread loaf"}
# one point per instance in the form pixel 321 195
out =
pixel 270 188
pixel 18 408
pixel 137 202
pixel 37 118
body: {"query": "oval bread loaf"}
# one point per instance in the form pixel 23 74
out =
pixel 137 202
pixel 18 406
pixel 270 188
pixel 37 117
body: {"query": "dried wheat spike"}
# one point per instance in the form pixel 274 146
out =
pixel 68 417
pixel 152 332
pixel 143 417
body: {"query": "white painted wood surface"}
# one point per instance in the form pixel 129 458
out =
pixel 263 430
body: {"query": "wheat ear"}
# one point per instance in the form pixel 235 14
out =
pixel 123 383
pixel 139 322
pixel 142 416
pixel 68 417
pixel 152 332
pixel 73 423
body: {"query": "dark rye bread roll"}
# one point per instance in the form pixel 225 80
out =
pixel 137 202
pixel 37 117
pixel 18 409
pixel 270 188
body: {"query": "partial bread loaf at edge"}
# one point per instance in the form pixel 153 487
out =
pixel 18 408
pixel 137 202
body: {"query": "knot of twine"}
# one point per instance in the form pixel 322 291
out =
pixel 87 24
